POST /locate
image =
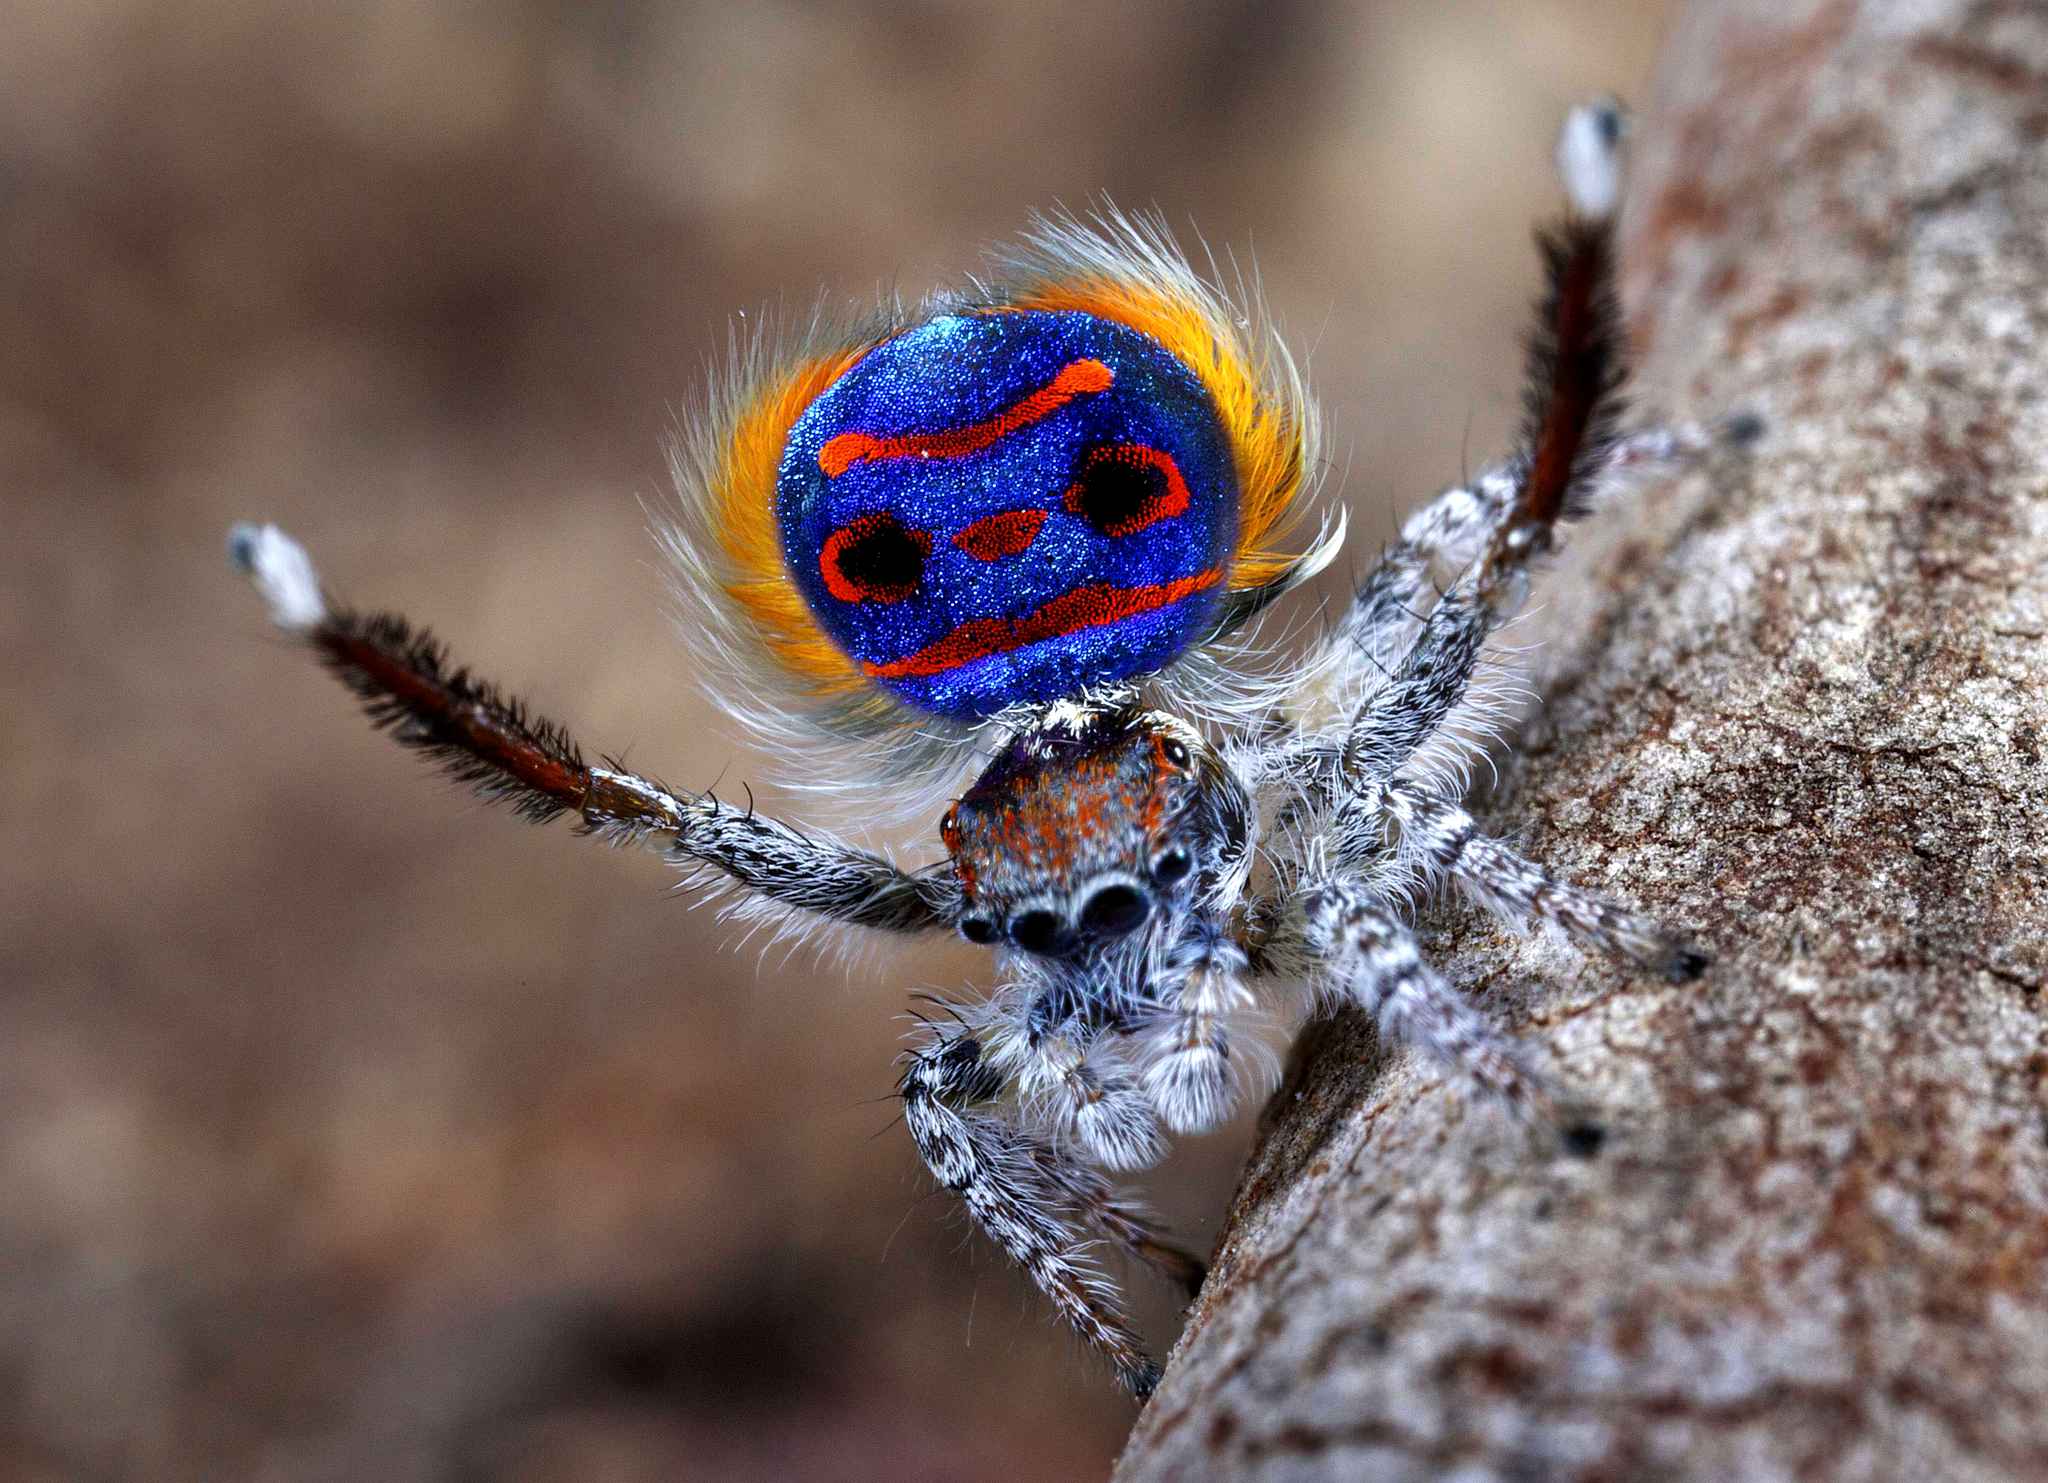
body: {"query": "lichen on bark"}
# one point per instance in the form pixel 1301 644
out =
pixel 1799 703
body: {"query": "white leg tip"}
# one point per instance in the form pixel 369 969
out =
pixel 283 574
pixel 1589 157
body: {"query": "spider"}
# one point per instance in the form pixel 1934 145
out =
pixel 1018 536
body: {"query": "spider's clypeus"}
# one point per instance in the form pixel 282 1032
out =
pixel 1148 875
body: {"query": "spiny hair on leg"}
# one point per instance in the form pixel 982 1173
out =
pixel 1444 843
pixel 1372 961
pixel 1021 1192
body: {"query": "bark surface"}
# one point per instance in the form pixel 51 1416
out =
pixel 1799 703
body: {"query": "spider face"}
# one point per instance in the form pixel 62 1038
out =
pixel 1072 839
pixel 1005 506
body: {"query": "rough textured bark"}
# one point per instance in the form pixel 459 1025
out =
pixel 1798 703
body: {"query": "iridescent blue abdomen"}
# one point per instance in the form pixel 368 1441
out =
pixel 1008 506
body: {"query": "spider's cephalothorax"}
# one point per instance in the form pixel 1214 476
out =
pixel 1090 850
pixel 1081 832
pixel 1027 524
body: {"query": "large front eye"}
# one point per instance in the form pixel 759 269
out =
pixel 874 558
pixel 1125 487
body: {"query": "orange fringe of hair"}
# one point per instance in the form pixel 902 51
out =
pixel 743 499
pixel 1267 443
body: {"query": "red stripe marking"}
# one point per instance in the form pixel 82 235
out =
pixel 1075 379
pixel 1003 534
pixel 1084 607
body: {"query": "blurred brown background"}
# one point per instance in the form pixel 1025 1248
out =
pixel 349 1129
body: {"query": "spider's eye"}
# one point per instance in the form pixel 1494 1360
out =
pixel 1115 910
pixel 1125 487
pixel 979 929
pixel 1174 751
pixel 1173 866
pixel 874 558
pixel 1041 931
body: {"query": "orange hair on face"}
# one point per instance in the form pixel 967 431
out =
pixel 1266 435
